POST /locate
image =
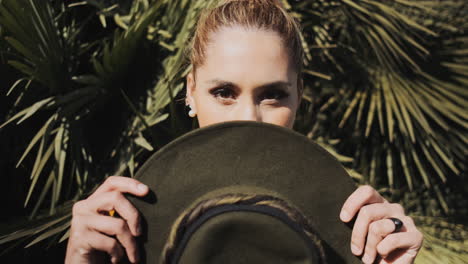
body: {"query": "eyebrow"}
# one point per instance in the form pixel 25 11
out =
pixel 276 84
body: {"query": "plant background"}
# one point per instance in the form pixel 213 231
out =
pixel 92 88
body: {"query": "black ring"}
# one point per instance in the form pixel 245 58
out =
pixel 398 224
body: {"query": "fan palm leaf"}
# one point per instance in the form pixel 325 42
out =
pixel 396 93
pixel 386 94
pixel 59 145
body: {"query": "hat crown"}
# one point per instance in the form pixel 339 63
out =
pixel 268 159
pixel 260 228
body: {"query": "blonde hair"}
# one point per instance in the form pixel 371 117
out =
pixel 259 14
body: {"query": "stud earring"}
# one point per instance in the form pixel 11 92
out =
pixel 192 113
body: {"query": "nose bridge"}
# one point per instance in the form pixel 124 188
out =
pixel 248 110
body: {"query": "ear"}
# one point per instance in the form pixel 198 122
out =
pixel 190 90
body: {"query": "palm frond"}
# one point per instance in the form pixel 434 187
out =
pixel 415 100
pixel 35 36
pixel 445 242
pixel 59 144
pixel 386 94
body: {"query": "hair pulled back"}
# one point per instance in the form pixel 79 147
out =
pixel 253 14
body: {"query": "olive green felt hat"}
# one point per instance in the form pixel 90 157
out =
pixel 244 192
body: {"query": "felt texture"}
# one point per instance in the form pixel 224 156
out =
pixel 241 155
pixel 247 237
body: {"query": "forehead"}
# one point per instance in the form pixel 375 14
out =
pixel 249 54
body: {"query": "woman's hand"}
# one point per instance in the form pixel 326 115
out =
pixel 94 232
pixel 373 232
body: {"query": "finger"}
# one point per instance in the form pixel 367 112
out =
pixel 122 184
pixel 128 212
pixel 377 231
pixel 367 215
pixel 116 201
pixel 107 202
pixel 115 227
pixel 410 242
pixel 103 243
pixel 397 257
pixel 362 196
pixel 80 208
pixel 408 224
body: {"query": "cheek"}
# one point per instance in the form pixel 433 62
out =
pixel 281 116
pixel 209 111
pixel 212 114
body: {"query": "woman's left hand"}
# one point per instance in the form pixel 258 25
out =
pixel 373 232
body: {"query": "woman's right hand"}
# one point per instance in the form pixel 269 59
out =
pixel 93 231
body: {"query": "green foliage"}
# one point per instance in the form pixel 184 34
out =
pixel 445 242
pixel 385 93
pixel 395 96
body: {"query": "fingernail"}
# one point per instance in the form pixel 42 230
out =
pixel 142 188
pixel 344 216
pixel 114 260
pixel 355 249
pixel 367 259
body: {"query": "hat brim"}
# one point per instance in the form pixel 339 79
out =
pixel 249 154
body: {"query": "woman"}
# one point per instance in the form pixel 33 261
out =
pixel 246 62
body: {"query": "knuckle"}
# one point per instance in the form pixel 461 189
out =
pixel 374 228
pixel 75 224
pixel 419 235
pixel 420 239
pixel 365 212
pixel 398 208
pixel 75 234
pixel 383 248
pixel 78 207
pixel 111 180
pixel 115 196
pixel 120 226
pixel 367 191
pixel 408 220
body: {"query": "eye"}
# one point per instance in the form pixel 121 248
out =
pixel 224 92
pixel 274 94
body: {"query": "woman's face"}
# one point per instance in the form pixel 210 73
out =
pixel 246 75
